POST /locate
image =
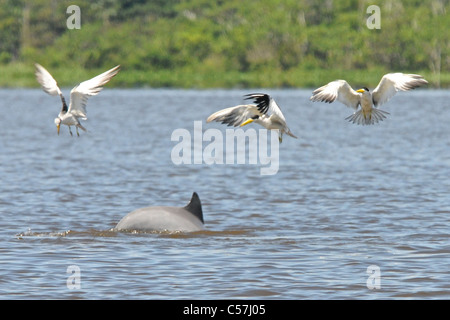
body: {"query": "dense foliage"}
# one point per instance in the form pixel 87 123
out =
pixel 226 43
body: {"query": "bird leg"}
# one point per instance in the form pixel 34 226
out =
pixel 70 131
pixel 78 134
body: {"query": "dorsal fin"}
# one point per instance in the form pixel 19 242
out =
pixel 195 207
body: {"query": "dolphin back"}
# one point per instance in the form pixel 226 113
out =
pixel 163 218
pixel 195 207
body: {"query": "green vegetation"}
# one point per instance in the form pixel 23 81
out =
pixel 224 43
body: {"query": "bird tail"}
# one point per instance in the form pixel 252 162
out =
pixel 81 127
pixel 367 117
pixel 289 133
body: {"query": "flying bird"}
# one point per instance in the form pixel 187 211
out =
pixel 341 91
pixel 70 116
pixel 264 112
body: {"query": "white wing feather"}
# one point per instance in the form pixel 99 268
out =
pixel 338 90
pixel 80 94
pixel 393 82
pixel 234 116
pixel 275 110
pixel 46 80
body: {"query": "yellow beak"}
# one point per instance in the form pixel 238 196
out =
pixel 247 122
pixel 57 128
pixel 360 90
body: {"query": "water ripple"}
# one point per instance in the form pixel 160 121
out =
pixel 346 197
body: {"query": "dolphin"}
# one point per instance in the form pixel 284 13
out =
pixel 185 219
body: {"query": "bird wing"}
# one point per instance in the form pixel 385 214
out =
pixel 235 116
pixel 266 105
pixel 80 94
pixel 338 90
pixel 46 80
pixel 49 84
pixel 393 82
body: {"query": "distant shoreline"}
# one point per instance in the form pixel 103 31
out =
pixel 21 75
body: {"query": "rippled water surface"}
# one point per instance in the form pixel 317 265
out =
pixel 345 198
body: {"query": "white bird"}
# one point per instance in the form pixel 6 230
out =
pixel 70 116
pixel 265 112
pixel 341 91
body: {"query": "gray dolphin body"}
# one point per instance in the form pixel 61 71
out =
pixel 186 219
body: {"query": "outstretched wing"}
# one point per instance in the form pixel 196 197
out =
pixel 80 94
pixel 49 84
pixel 266 105
pixel 338 90
pixel 393 82
pixel 46 80
pixel 235 116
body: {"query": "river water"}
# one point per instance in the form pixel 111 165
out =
pixel 353 212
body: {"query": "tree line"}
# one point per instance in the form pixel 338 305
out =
pixel 202 38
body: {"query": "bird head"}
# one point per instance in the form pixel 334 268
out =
pixel 250 120
pixel 362 90
pixel 58 123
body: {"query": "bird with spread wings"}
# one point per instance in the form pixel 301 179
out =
pixel 264 112
pixel 389 85
pixel 70 116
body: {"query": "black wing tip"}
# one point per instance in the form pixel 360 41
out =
pixel 256 95
pixel 262 100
